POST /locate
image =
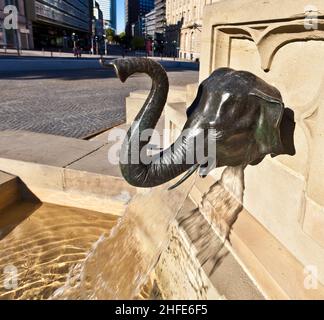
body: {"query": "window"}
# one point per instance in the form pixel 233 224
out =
pixel 12 2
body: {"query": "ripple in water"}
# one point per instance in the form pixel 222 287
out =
pixel 44 245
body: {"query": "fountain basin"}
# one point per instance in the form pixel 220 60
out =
pixel 59 209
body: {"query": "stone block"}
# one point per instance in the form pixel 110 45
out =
pixel 34 175
pixel 314 221
pixel 43 149
pixel 9 190
pixel 191 92
pixel 133 106
pixel 271 39
pixel 274 268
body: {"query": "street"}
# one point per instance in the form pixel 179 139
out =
pixel 69 97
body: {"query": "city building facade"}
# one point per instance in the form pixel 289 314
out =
pixel 22 36
pixel 135 11
pixel 97 40
pixel 139 27
pixel 150 24
pixel 109 10
pixel 184 27
pixel 160 16
pixel 160 26
pixel 54 23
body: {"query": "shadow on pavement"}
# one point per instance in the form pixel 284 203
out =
pixel 69 74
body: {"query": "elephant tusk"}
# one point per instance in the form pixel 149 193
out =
pixel 189 173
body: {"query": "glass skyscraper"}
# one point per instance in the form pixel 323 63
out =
pixel 109 8
pixel 135 11
pixel 55 21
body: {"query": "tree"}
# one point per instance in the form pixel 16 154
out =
pixel 110 35
pixel 138 43
pixel 117 39
pixel 122 38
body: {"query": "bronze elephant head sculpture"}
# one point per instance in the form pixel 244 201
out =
pixel 242 119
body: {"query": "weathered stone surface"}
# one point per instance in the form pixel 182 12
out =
pixel 283 197
pixel 284 194
pixel 314 221
pixel 9 190
pixel 34 175
pixel 179 274
pixel 136 100
pixel 66 171
pixel 43 148
pixel 224 271
pixel 133 106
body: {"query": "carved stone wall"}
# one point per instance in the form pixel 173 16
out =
pixel 283 43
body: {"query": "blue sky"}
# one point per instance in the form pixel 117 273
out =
pixel 120 16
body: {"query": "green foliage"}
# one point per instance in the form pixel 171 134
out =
pixel 120 38
pixel 138 43
pixel 110 35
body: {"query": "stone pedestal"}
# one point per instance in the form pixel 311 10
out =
pixel 283 43
pixel 278 237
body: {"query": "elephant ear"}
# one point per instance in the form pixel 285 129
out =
pixel 267 131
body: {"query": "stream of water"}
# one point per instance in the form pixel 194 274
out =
pixel 120 263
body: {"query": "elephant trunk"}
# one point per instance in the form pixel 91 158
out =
pixel 169 163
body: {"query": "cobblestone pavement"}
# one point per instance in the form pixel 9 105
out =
pixel 71 103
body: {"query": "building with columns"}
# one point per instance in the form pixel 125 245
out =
pixel 184 27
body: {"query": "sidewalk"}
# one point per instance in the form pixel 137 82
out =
pixel 30 60
pixel 55 54
pixel 45 54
